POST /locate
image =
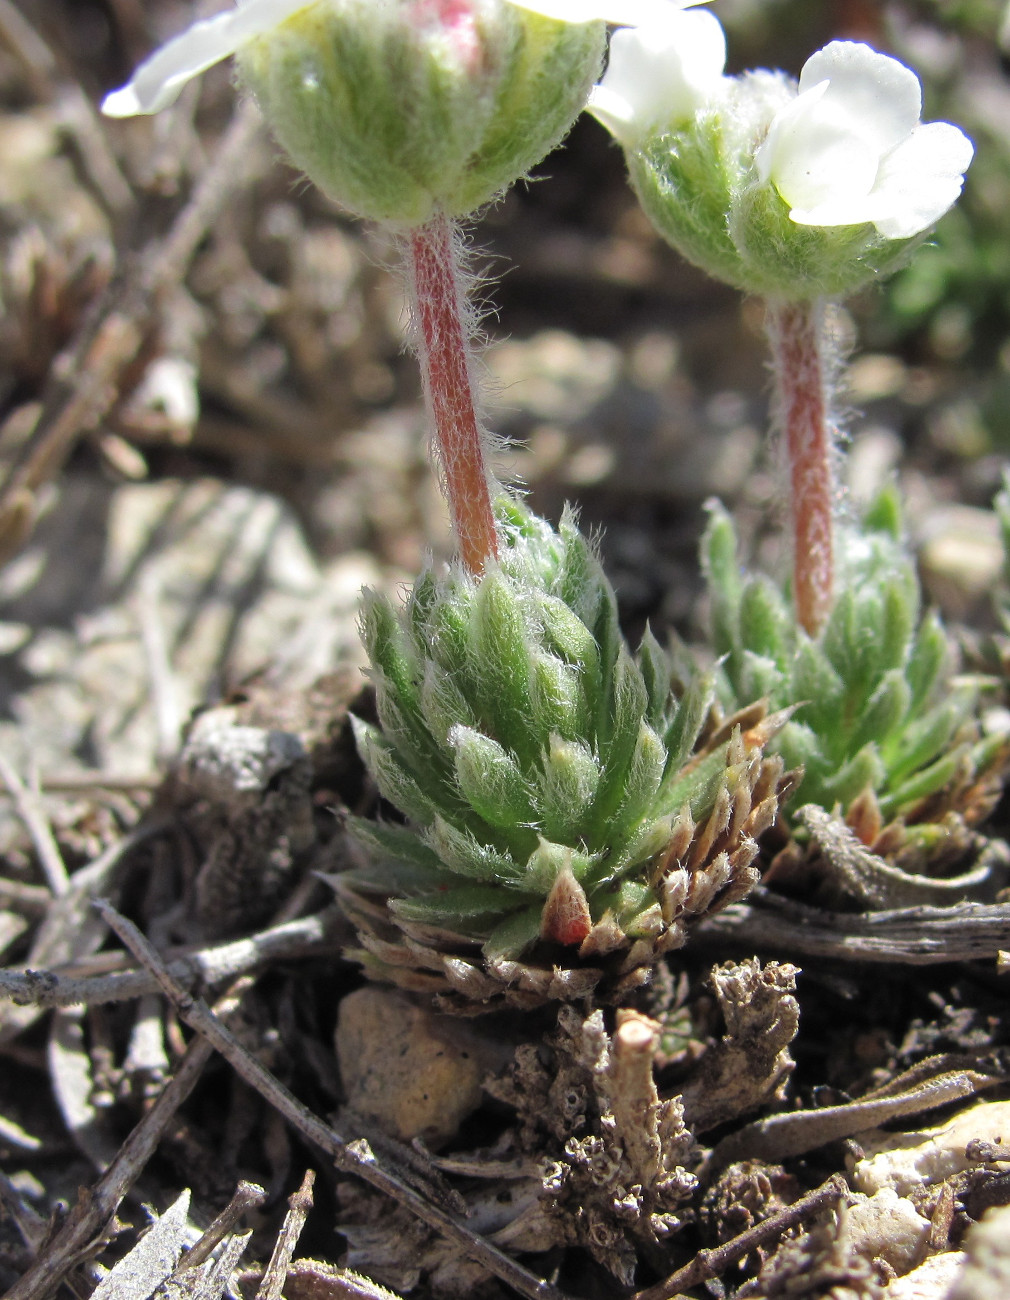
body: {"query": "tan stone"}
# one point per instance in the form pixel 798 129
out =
pixel 416 1073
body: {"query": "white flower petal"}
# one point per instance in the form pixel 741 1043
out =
pixel 622 13
pixel 158 81
pixel 921 179
pixel 773 152
pixel 881 95
pixel 659 75
pixel 858 211
pixel 615 112
pixel 816 156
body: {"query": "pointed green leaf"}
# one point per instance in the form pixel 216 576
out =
pixel 578 580
pixel 501 660
pixel 645 775
pixel 443 703
pixel 885 711
pixel 629 703
pixel 548 859
pixel 864 769
pixel 389 774
pixel 654 666
pixel 929 660
pixel 465 908
pixel 557 701
pixel 683 732
pixel 384 839
pixel 463 854
pixel 817 687
pixel 883 515
pixel 695 789
pixel 489 779
pixel 766 627
pixel 388 649
pixel 566 634
pixel 423 598
pixel 570 776
pixel 924 783
pixel 407 732
pixel 511 937
pixel 650 839
pixel 722 574
pixel 448 633
pixel 760 678
pixel 921 741
pixel 898 624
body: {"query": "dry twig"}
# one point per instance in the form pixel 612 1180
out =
pixel 75 109
pixel 350 1157
pixel 247 1197
pixel 793 1133
pixel 312 1279
pixel 206 967
pixel 33 899
pixel 913 936
pixel 713 1263
pixel 276 1273
pixel 70 929
pixel 217 1281
pixel 96 1205
pixel 37 824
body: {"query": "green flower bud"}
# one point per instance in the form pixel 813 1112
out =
pixel 396 111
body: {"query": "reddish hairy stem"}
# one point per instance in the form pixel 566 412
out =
pixel 443 347
pixel 794 329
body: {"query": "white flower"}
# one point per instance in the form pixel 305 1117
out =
pixel 158 81
pixel 659 75
pixel 850 148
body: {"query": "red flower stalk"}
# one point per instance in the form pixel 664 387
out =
pixel 794 329
pixel 443 342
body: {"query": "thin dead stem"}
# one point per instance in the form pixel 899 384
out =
pixel 713 1263
pixel 96 1205
pixel 114 334
pixel 794 1133
pixel 276 1273
pixel 33 815
pixel 247 1197
pixel 207 966
pixel 911 936
pixel 350 1157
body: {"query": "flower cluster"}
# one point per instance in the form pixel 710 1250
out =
pixel 785 190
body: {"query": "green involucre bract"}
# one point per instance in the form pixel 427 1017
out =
pixel 395 121
pixel 699 186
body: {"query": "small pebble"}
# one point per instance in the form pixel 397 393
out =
pixel 416 1073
